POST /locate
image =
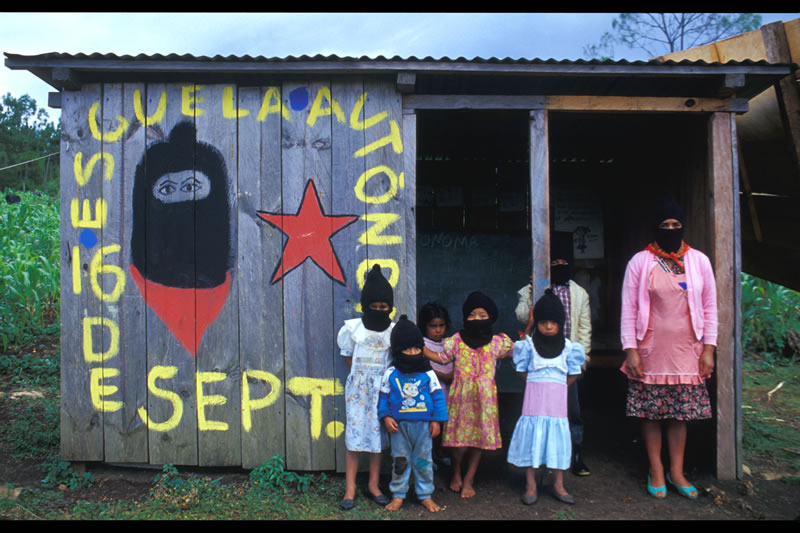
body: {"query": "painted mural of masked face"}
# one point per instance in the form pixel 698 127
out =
pixel 181 224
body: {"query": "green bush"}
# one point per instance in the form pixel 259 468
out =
pixel 770 316
pixel 30 267
pixel 58 472
pixel 272 474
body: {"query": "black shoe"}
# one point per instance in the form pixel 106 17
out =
pixel 578 468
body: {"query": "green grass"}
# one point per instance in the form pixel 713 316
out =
pixel 772 422
pixel 176 496
pixel 31 428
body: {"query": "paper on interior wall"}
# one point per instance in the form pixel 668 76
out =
pixel 579 213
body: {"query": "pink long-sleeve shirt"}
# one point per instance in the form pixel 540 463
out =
pixel 702 295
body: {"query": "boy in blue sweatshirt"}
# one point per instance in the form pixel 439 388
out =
pixel 411 405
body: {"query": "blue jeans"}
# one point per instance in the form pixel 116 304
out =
pixel 411 451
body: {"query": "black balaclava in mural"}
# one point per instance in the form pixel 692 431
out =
pixel 181 223
pixel 477 333
pixel 561 248
pixel 549 307
pixel 376 289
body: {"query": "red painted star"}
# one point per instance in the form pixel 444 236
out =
pixel 309 235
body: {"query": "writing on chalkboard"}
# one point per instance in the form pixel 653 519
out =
pixel 447 240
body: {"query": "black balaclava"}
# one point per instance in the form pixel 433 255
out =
pixel 549 307
pixel 405 334
pixel 668 240
pixel 376 289
pixel 181 218
pixel 561 248
pixel 477 333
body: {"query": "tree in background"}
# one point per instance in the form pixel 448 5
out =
pixel 27 141
pixel 664 33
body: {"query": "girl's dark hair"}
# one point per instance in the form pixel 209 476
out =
pixel 432 310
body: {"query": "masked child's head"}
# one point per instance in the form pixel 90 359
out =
pixel 407 344
pixel 549 314
pixel 479 312
pixel 377 301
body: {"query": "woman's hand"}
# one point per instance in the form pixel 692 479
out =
pixel 707 361
pixel 634 363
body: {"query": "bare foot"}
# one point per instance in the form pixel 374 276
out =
pixel 395 504
pixel 430 505
pixel 456 483
pixel 467 491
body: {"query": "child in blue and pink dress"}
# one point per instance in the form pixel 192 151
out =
pixel 550 363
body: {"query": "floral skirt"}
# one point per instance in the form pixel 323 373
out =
pixel 662 402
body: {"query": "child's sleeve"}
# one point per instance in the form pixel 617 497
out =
pixel 502 344
pixel 384 407
pixel 575 358
pixel 437 398
pixel 345 341
pixel 522 355
pixel 448 352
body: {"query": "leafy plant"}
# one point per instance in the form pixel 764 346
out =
pixel 770 315
pixel 273 475
pixel 59 473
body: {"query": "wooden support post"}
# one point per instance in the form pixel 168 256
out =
pixel 723 199
pixel 410 208
pixel 540 201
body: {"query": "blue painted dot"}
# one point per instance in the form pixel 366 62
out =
pixel 88 238
pixel 298 98
pixel 683 285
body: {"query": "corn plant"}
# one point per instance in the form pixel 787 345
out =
pixel 29 270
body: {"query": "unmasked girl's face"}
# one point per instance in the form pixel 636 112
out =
pixel 435 329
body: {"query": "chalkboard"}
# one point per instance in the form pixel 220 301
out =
pixel 451 265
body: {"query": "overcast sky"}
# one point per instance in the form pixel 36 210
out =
pixel 514 35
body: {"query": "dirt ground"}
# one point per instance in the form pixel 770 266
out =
pixel 614 491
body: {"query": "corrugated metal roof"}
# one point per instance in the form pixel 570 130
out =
pixel 502 76
pixel 377 59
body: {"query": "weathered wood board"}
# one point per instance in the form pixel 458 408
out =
pixel 199 319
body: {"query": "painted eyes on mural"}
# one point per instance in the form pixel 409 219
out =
pixel 184 186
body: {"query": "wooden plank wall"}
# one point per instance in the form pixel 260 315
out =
pixel 230 358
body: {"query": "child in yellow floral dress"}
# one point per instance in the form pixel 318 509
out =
pixel 472 402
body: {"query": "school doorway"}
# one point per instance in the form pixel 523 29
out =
pixel 605 173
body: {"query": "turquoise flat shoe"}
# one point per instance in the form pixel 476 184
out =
pixel 686 492
pixel 656 492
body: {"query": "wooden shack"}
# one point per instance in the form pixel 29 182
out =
pixel 219 215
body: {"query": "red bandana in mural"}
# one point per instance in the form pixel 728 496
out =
pixel 181 237
pixel 309 235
